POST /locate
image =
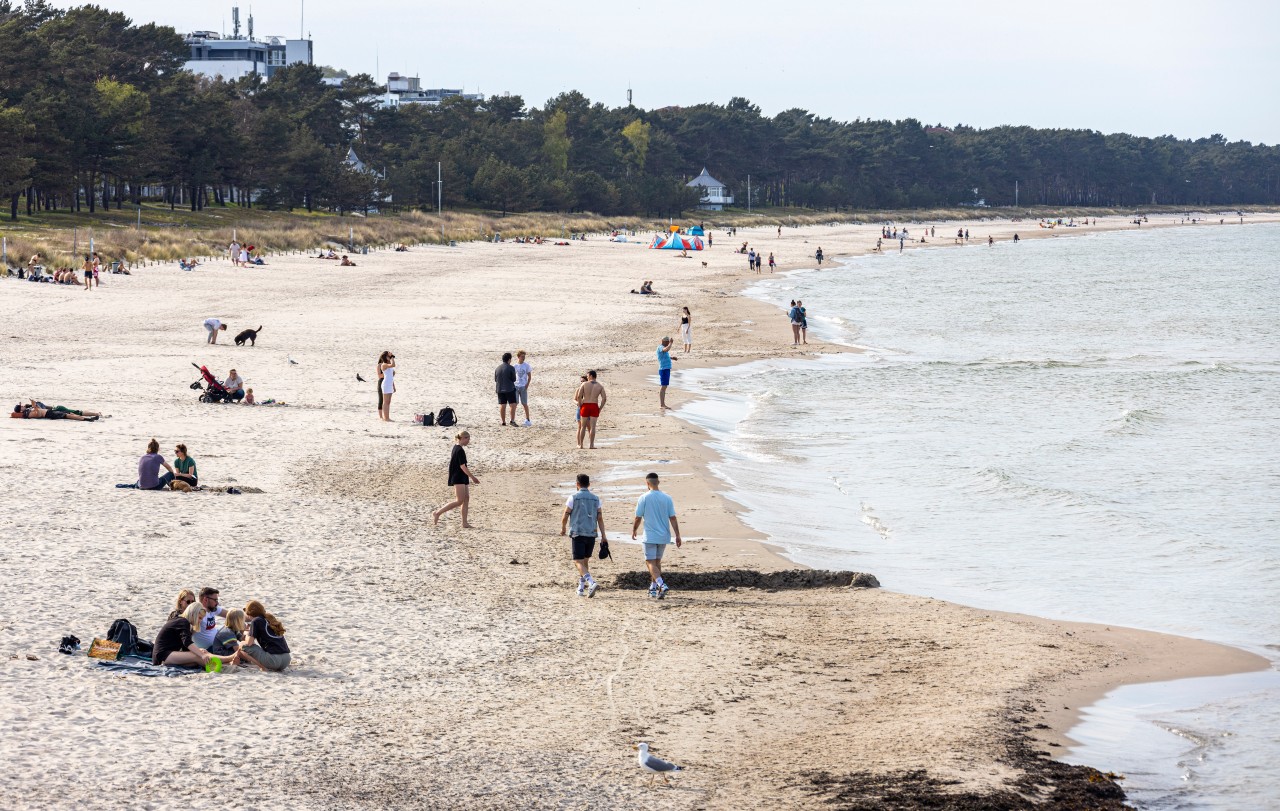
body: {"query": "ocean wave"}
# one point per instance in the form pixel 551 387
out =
pixel 1135 421
pixel 997 481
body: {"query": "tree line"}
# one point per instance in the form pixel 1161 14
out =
pixel 96 111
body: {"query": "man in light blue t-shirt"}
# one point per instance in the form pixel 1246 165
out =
pixel 658 512
pixel 664 371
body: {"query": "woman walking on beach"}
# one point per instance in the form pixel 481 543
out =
pixel 686 329
pixel 796 318
pixel 387 384
pixel 459 478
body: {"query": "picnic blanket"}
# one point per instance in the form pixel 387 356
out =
pixel 143 667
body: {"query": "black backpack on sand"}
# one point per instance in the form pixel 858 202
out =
pixel 126 634
pixel 446 417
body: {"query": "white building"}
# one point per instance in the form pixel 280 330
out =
pixel 409 90
pixel 715 195
pixel 237 57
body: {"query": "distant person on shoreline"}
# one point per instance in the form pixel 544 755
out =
pixel 796 320
pixel 772 263
pixel 664 370
pixel 524 374
pixel 591 398
pixel 1015 238
pixel 819 255
pixel 686 329
pixel 213 326
pixel 504 382
pixel 658 513
pixel 804 322
pixel 460 479
pixel 582 517
pixel 387 374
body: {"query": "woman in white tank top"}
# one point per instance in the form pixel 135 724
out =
pixel 387 368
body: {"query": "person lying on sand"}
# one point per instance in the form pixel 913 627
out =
pixel 347 263
pixel 402 248
pixel 39 411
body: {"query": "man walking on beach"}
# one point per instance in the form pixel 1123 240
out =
pixel 582 517
pixel 664 371
pixel 234 250
pixel 213 326
pixel 658 512
pixel 504 381
pixel 590 398
pixel 524 373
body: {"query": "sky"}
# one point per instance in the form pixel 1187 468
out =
pixel 1182 68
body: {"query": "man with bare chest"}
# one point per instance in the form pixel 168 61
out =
pixel 590 398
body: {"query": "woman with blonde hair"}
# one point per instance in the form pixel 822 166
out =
pixel 264 644
pixel 459 478
pixel 228 639
pixel 175 646
pixel 185 598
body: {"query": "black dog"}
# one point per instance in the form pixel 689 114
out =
pixel 250 335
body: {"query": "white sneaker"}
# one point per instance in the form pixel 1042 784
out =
pixel 582 588
pixel 527 424
pixel 591 588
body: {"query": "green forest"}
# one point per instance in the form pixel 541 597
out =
pixel 96 112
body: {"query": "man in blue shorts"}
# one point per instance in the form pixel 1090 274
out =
pixel 664 371
pixel 658 512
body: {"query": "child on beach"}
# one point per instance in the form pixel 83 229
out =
pixel 248 397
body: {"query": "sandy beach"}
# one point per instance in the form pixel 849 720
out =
pixel 451 668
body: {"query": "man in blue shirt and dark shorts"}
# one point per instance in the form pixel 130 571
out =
pixel 664 371
pixel 658 512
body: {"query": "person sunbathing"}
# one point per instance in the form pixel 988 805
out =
pixel 39 411
pixel 402 248
pixel 347 263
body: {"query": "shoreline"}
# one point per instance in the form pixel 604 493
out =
pixel 1148 656
pixel 447 662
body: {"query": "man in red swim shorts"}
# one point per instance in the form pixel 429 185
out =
pixel 590 398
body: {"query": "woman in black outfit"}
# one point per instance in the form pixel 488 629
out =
pixel 175 647
pixel 459 476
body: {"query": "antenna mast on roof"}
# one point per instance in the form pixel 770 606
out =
pixel 250 22
pixel 235 22
pixel 302 22
pixel 629 94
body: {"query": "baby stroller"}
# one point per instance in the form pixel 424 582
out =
pixel 214 392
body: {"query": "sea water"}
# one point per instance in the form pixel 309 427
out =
pixel 1083 427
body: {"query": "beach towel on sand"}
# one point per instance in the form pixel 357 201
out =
pixel 142 667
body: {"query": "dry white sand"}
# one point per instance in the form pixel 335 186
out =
pixel 446 667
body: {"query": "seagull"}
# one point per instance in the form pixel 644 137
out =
pixel 293 362
pixel 654 765
pixel 361 379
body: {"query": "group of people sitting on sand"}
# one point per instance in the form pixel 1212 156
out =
pixel 646 288
pixel 181 475
pixel 528 240
pixel 192 638
pixel 36 410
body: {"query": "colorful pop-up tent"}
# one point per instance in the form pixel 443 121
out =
pixel 677 242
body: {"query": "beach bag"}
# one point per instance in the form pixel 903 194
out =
pixel 104 649
pixel 446 418
pixel 125 634
pixel 426 420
